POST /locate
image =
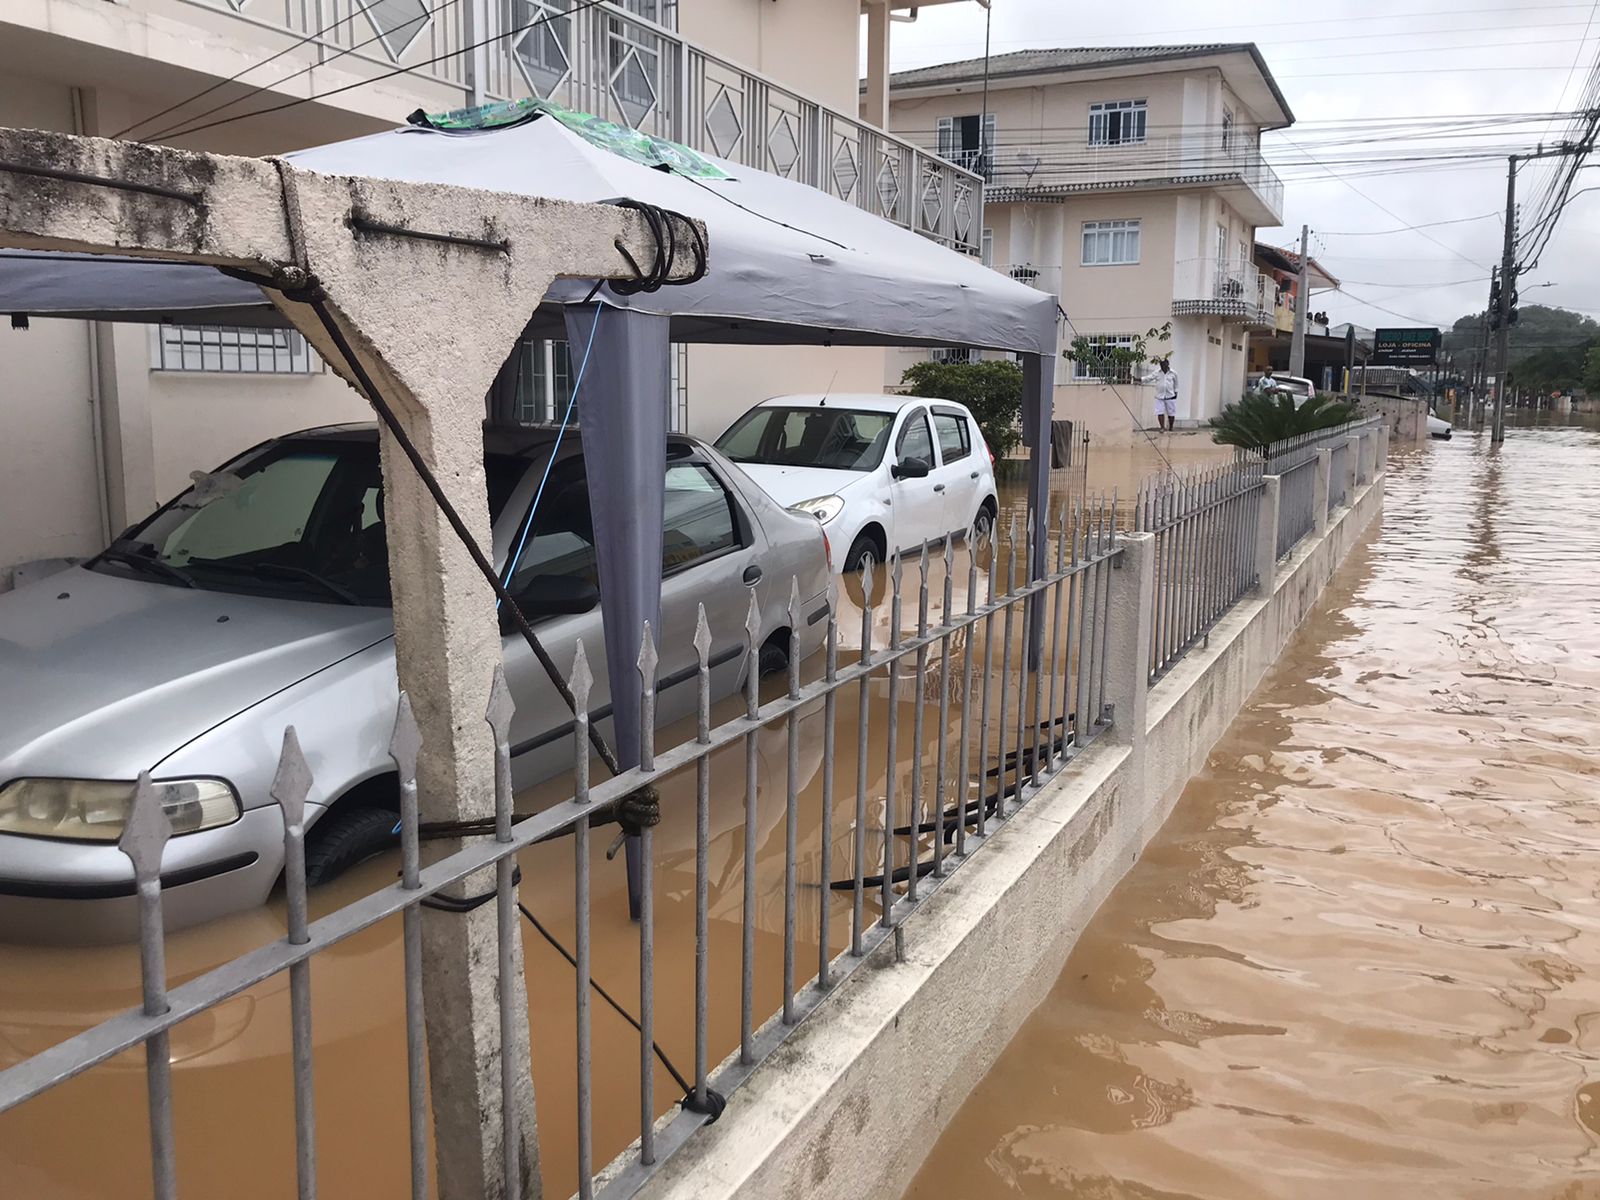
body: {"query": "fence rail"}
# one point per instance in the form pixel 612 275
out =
pixel 1294 462
pixel 1000 735
pixel 1205 528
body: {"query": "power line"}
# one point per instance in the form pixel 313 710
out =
pixel 1404 228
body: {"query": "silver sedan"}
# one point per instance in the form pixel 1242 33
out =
pixel 260 598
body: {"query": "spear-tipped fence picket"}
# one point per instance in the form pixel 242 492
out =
pixel 927 830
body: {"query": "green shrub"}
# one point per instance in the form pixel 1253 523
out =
pixel 991 390
pixel 1260 418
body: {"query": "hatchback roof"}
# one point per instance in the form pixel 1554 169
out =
pixel 869 401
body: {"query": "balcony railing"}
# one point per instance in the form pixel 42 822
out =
pixel 615 61
pixel 1222 287
pixel 1176 160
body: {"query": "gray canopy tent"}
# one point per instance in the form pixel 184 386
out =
pixel 789 264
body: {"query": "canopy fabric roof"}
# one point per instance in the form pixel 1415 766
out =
pixel 788 263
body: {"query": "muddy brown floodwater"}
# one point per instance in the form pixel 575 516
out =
pixel 1362 959
pixel 231 1070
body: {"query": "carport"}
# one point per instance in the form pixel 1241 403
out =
pixel 413 261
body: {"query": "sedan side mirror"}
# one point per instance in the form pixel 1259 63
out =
pixel 554 596
pixel 910 468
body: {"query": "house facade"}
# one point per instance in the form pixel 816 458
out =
pixel 1130 183
pixel 102 422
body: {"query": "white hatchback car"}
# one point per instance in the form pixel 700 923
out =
pixel 882 473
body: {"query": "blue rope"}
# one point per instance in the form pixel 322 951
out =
pixel 566 417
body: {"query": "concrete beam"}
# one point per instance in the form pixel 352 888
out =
pixel 430 320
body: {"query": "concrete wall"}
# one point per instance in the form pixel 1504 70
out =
pixel 852 1102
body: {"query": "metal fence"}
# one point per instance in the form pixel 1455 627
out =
pixel 986 733
pixel 1205 529
pixel 1294 462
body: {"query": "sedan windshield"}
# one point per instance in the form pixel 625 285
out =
pixel 840 439
pixel 300 518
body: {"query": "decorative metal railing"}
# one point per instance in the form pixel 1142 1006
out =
pixel 621 62
pixel 985 735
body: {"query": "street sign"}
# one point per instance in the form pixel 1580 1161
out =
pixel 1405 347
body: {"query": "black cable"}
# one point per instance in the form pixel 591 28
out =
pixel 374 397
pixel 1137 423
pixel 715 1102
pixel 763 216
pixel 289 49
pixel 409 70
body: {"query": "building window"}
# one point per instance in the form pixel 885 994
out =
pixel 1101 364
pixel 956 354
pixel 232 350
pixel 1116 122
pixel 959 141
pixel 544 384
pixel 1110 243
pixel 987 248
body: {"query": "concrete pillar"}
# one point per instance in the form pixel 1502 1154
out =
pixel 1321 489
pixel 875 104
pixel 1383 450
pixel 432 254
pixel 130 452
pixel 1352 458
pixel 1130 613
pixel 1267 537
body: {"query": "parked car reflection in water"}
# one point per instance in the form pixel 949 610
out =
pixel 259 599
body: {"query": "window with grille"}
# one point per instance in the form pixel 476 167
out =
pixel 956 354
pixel 987 247
pixel 967 141
pixel 1102 364
pixel 1117 122
pixel 544 383
pixel 1110 243
pixel 232 350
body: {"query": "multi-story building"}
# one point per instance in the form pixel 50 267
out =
pixel 101 422
pixel 1130 182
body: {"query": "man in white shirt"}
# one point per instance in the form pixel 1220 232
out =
pixel 1166 381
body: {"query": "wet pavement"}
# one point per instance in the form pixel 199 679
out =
pixel 1362 959
pixel 232 1078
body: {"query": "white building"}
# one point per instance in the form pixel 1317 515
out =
pixel 102 422
pixel 1130 182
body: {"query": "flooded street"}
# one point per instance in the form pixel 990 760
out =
pixel 1362 959
pixel 232 1075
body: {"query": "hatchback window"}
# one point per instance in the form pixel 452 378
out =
pixel 699 517
pixel 955 442
pixel 840 439
pixel 915 440
pixel 699 522
pixel 300 519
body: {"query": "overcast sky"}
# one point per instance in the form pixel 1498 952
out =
pixel 1344 60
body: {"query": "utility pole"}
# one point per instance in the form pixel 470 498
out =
pixel 1297 343
pixel 1481 382
pixel 1502 316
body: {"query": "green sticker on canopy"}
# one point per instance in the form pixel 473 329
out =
pixel 608 135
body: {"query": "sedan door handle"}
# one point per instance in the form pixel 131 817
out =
pixel 974 475
pixel 752 574
pixel 938 487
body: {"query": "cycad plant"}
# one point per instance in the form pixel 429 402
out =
pixel 1260 418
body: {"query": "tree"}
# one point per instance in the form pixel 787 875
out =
pixel 1116 364
pixel 1260 418
pixel 991 390
pixel 1539 328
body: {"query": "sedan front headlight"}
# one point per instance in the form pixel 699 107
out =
pixel 823 508
pixel 95 810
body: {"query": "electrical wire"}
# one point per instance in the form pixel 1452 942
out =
pixel 580 6
pixel 1137 423
pixel 307 38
